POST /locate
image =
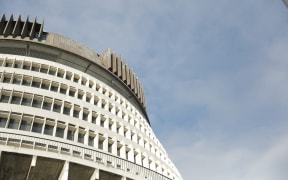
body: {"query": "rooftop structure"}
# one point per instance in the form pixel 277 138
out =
pixel 67 112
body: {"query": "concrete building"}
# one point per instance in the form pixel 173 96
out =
pixel 67 112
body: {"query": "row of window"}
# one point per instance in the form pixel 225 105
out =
pixel 45 84
pixel 56 105
pixel 61 73
pixel 65 107
pixel 47 126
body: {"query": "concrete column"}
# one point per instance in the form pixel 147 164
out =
pixel 33 162
pixel 96 141
pixel 86 136
pixel 95 175
pixel 123 178
pixel 105 144
pixel 65 171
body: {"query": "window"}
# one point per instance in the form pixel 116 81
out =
pixel 68 75
pixel 44 69
pixel 101 142
pixel 25 125
pixel 27 65
pixel 16 80
pixel 17 64
pixel 16 99
pixel 57 106
pixel 37 101
pixel 91 84
pixel 45 84
pixel 76 78
pixel 36 83
pixel 63 89
pixel 5 98
pixel 35 67
pixel 9 64
pixel 70 134
pixel 59 132
pixel 47 104
pixel 88 97
pixel 26 81
pixel 60 73
pixel 94 116
pixel 52 71
pixel 91 141
pixel 26 101
pixel 76 111
pixel 54 86
pixel 67 109
pixel 85 114
pixel 80 94
pixel 7 79
pixel 13 123
pixel 3 122
pixel 37 127
pixel 48 129
pixel 81 137
pixel 84 81
pixel 72 92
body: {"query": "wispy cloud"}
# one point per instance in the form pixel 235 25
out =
pixel 215 75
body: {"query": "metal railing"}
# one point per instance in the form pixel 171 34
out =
pixel 24 141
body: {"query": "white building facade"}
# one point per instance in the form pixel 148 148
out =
pixel 67 112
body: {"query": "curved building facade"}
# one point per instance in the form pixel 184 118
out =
pixel 67 112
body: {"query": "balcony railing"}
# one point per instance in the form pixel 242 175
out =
pixel 24 141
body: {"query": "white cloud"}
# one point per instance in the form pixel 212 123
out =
pixel 215 75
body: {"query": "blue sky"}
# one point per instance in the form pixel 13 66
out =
pixel 215 74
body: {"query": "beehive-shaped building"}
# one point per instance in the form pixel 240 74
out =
pixel 67 112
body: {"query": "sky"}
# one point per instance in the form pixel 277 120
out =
pixel 215 74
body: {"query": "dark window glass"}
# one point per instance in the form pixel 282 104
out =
pixel 26 82
pixel 37 127
pixel 15 100
pixel 80 137
pixel 70 135
pixel 36 103
pixel 25 125
pixel 47 105
pixel 3 122
pixel 4 98
pixel 13 124
pixel 26 101
pixel 48 129
pixel 59 132
pixel 7 79
pixel 57 108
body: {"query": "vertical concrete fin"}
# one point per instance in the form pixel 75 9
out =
pixel 41 30
pixel 123 69
pixel 106 59
pixel 17 27
pixel 119 61
pixel 2 24
pixel 114 63
pixel 128 75
pixel 9 26
pixel 132 80
pixel 137 88
pixel 32 31
pixel 24 32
